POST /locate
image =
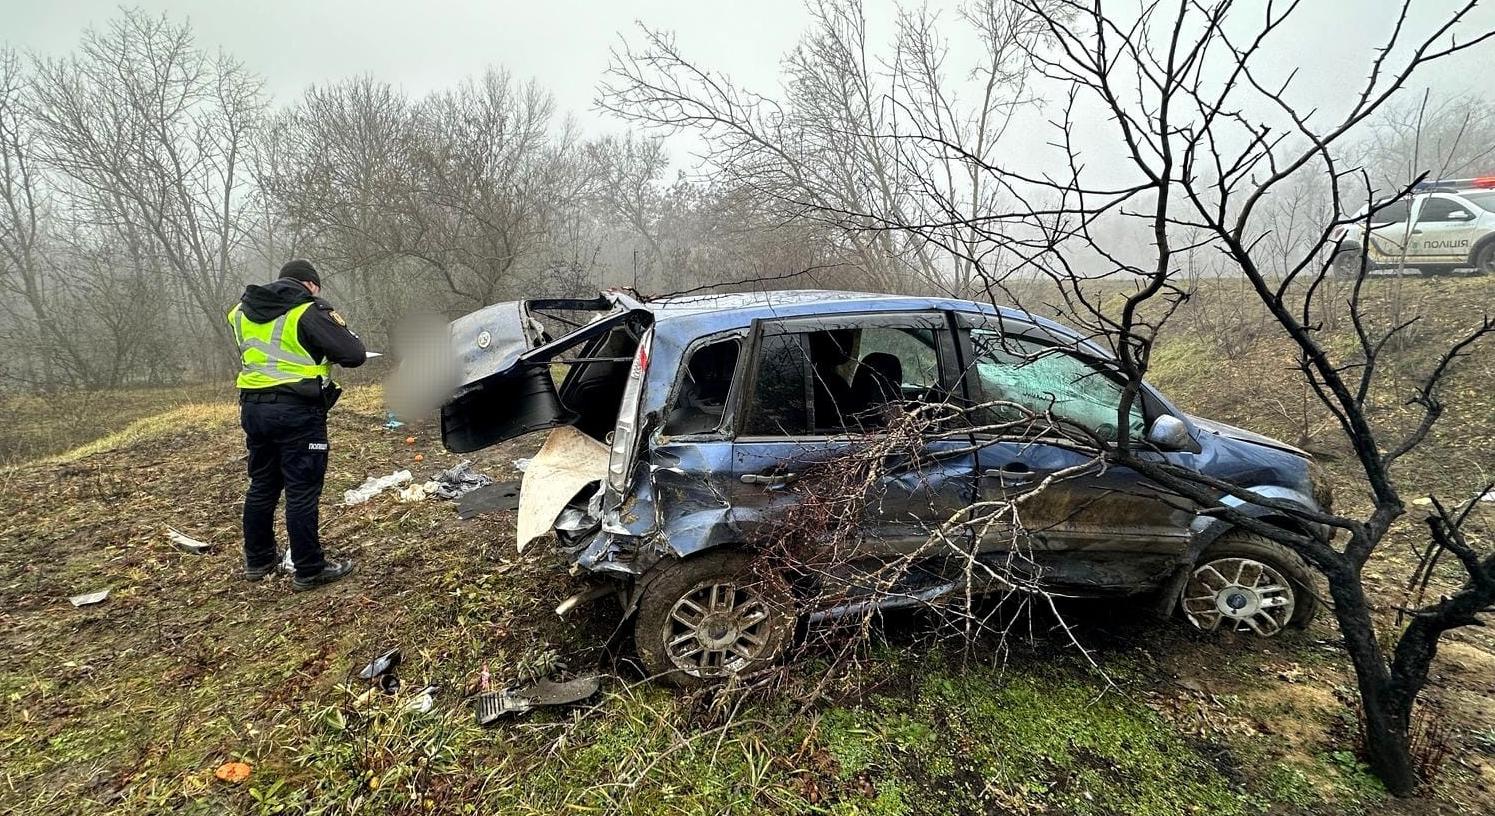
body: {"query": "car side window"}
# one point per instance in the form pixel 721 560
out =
pixel 842 379
pixel 705 382
pixel 1041 379
pixel 1437 208
pixel 1396 212
pixel 778 404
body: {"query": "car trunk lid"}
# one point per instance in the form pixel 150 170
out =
pixel 504 353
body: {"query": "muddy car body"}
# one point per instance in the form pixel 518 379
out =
pixel 681 425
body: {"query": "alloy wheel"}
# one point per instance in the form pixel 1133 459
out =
pixel 1243 594
pixel 720 627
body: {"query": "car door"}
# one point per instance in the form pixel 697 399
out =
pixel 1085 521
pixel 1390 231
pixel 825 390
pixel 1443 232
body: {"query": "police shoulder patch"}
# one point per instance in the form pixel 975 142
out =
pixel 337 318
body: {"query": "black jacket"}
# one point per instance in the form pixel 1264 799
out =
pixel 320 330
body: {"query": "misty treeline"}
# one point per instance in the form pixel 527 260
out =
pixel 145 177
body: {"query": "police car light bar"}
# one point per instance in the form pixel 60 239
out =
pixel 1478 183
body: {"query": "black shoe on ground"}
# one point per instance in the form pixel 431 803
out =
pixel 259 573
pixel 334 571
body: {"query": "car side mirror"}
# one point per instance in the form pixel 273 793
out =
pixel 1170 433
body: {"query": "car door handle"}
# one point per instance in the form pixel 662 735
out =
pixel 1011 474
pixel 776 480
pixel 1417 232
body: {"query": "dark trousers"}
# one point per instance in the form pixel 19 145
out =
pixel 287 444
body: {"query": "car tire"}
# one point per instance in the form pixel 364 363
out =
pixel 1484 259
pixel 1249 583
pixel 704 618
pixel 1346 263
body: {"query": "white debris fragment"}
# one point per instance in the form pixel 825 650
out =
pixel 373 486
pixel 522 465
pixel 186 543
pixel 89 598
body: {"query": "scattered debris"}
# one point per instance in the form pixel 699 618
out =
pixel 423 701
pixel 287 565
pixel 459 480
pixel 187 544
pixel 415 493
pixel 490 498
pixel 89 598
pixel 373 486
pixel 233 772
pixel 567 462
pixel 492 705
pixel 522 464
pixel 391 423
pixel 383 664
pixel 589 594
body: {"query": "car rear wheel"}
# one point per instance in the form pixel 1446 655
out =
pixel 706 618
pixel 1247 583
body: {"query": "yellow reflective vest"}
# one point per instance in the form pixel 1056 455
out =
pixel 271 354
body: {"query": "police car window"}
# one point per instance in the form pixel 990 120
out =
pixel 701 398
pixel 1438 209
pixel 1393 213
pixel 1484 199
pixel 1046 379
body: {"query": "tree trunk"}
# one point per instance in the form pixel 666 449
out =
pixel 1385 714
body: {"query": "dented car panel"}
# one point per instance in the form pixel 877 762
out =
pixel 686 471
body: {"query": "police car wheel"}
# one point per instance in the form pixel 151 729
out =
pixel 1484 260
pixel 1347 263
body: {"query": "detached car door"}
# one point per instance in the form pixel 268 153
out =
pixel 823 391
pixel 1096 525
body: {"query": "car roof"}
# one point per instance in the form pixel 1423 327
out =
pixel 705 313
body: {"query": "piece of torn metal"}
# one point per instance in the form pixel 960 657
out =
pixel 186 543
pixel 569 461
pixel 382 664
pixel 491 498
pixel 89 598
pixel 493 705
pixel 584 596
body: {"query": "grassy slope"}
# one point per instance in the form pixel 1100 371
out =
pixel 128 706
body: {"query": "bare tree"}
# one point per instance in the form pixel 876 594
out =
pixel 1209 137
pixel 827 150
pixel 151 131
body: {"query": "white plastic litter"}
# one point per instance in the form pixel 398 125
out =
pixel 522 464
pixel 186 543
pixel 89 598
pixel 419 492
pixel 373 486
pixel 287 566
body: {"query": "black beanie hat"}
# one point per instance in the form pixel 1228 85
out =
pixel 301 270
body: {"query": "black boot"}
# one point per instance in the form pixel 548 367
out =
pixel 334 571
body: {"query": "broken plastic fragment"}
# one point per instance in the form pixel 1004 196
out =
pixel 187 544
pixel 89 598
pixel 391 422
pixel 381 665
pixel 373 486
pixel 491 706
pixel 567 462
pixel 423 701
pixel 489 499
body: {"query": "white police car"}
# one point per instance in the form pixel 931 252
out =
pixel 1444 225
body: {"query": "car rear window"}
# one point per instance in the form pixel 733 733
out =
pixel 705 382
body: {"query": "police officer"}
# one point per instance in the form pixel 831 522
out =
pixel 288 340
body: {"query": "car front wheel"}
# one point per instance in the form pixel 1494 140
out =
pixel 1247 583
pixel 705 618
pixel 1484 259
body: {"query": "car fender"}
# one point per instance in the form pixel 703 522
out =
pixel 1205 530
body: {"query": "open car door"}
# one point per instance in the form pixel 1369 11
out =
pixel 504 356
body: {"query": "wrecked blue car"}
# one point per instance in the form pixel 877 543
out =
pixel 683 429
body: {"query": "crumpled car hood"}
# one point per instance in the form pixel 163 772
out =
pixel 1243 435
